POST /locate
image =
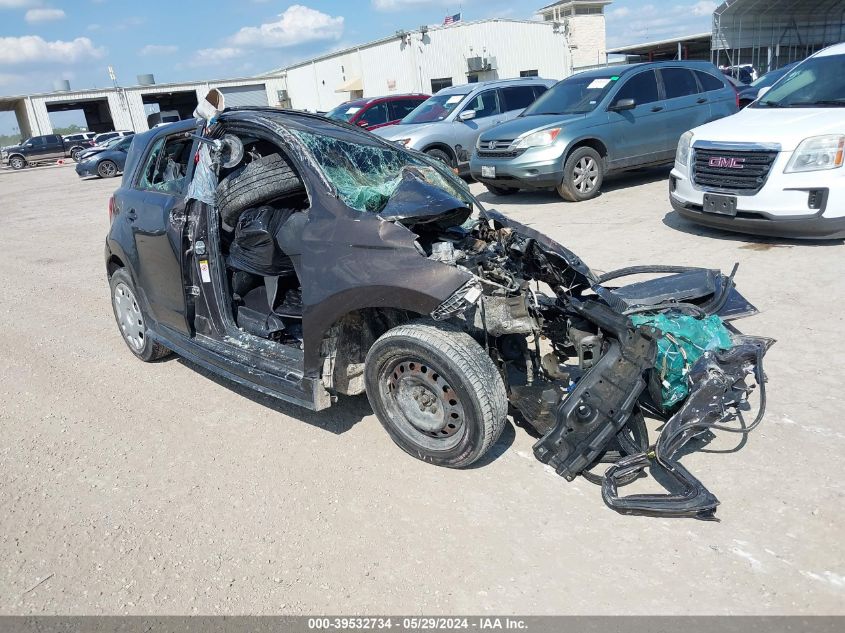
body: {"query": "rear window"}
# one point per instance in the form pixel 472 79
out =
pixel 708 81
pixel 403 107
pixel 678 82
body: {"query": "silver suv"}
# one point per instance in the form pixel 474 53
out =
pixel 447 125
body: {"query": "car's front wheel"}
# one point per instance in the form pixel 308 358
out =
pixel 583 174
pixel 442 156
pixel 107 169
pixel 17 162
pixel 436 392
pixel 74 154
pixel 130 319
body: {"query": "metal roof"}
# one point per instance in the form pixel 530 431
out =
pixel 563 3
pixel 781 8
pixel 636 49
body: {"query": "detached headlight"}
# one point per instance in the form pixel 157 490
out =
pixel 684 148
pixel 463 298
pixel 404 142
pixel 542 138
pixel 817 153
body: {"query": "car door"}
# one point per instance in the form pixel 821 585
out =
pixel 373 116
pixel 686 107
pixel 55 147
pixel 720 99
pixel 157 214
pixel 488 114
pixel 635 136
pixel 36 149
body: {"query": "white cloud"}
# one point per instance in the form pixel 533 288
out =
pixel 704 7
pixel 159 49
pixel 297 25
pixel 8 78
pixel 209 56
pixel 621 12
pixel 398 5
pixel 15 4
pixel 34 49
pixel 44 15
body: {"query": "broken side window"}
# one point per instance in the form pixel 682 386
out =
pixel 167 165
pixel 366 176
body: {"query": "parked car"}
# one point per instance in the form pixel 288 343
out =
pixel 447 125
pixel 105 162
pixel 776 168
pixel 76 143
pixel 599 122
pixel 356 266
pixel 745 74
pixel 37 149
pixel 377 112
pixel 749 93
pixel 107 136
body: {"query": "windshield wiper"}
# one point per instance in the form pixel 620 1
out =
pixel 823 102
pixel 771 104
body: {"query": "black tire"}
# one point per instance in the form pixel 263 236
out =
pixel 500 191
pixel 577 187
pixel 436 392
pixel 17 162
pixel 264 180
pixel 74 154
pixel 144 348
pixel 107 169
pixel 442 156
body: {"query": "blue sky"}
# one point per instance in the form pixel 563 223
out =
pixel 45 40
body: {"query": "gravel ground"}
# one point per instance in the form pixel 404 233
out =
pixel 158 489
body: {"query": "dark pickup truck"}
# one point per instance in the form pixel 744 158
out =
pixel 49 147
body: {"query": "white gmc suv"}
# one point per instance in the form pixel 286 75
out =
pixel 774 168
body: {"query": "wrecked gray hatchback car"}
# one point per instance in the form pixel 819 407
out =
pixel 307 259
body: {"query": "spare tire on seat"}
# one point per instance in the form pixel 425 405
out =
pixel 264 180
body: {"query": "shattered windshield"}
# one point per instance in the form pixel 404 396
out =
pixel 366 176
pixel 433 109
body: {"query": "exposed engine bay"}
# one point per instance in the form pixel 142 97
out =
pixel 579 371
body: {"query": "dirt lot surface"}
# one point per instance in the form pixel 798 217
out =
pixel 155 488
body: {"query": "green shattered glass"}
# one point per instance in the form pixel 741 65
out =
pixel 366 176
pixel 684 341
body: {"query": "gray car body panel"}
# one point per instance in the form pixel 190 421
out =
pixel 645 135
pixel 458 136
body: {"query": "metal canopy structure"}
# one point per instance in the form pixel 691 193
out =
pixel 687 47
pixel 772 33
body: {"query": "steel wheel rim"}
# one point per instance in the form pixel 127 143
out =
pixel 108 169
pixel 422 403
pixel 129 316
pixel 17 163
pixel 586 174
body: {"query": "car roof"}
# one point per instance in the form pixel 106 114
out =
pixel 625 69
pixel 836 49
pixel 467 88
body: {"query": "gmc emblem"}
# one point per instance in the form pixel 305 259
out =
pixel 728 163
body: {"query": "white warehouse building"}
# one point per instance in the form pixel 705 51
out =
pixel 432 58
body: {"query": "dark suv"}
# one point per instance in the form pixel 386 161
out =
pixel 377 112
pixel 308 259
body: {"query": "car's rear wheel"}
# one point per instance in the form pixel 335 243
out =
pixel 436 392
pixel 17 162
pixel 583 174
pixel 501 191
pixel 130 319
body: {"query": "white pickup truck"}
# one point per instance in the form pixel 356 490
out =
pixel 774 168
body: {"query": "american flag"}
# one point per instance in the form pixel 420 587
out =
pixel 451 19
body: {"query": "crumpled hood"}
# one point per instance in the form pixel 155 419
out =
pixel 523 124
pixel 785 126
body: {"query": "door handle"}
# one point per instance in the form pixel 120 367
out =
pixel 702 100
pixel 657 108
pixel 132 215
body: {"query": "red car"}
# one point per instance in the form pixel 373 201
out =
pixel 377 112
